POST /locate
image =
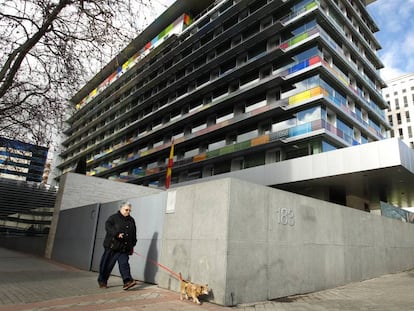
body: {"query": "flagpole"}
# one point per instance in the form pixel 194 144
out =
pixel 169 166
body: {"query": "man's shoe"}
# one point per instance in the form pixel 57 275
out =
pixel 129 284
pixel 103 285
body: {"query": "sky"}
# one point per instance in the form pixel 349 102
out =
pixel 395 19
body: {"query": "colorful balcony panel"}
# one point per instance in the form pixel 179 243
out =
pixel 264 139
pixel 175 28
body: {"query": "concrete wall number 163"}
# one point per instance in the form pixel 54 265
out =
pixel 285 216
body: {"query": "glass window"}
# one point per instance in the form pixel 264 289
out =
pixel 304 27
pixel 345 128
pixel 302 86
pixel 225 117
pixel 255 106
pixel 327 146
pixel 247 136
pixel 199 127
pixel 309 115
pixel 390 120
pixel 300 5
pixel 191 153
pixel 216 145
pixel 306 54
pixel 254 160
pixel 375 125
pixel 283 125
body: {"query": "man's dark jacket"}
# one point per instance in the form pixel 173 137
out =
pixel 116 224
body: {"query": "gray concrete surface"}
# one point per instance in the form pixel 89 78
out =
pixel 32 283
pixel 78 190
pixel 253 243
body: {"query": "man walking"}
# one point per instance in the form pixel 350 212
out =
pixel 119 242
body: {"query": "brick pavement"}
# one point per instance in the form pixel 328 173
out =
pixel 36 284
pixel 32 283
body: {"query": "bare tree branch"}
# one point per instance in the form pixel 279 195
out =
pixel 49 49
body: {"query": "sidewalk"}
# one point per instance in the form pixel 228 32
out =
pixel 32 283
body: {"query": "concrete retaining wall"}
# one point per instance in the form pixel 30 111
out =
pixel 253 243
pixel 78 190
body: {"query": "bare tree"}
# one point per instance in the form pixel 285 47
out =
pixel 49 49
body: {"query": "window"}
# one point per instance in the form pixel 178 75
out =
pixel 203 79
pixel 223 47
pixel 390 120
pixel 306 54
pixel 304 27
pixel 257 50
pixel 327 146
pixel 255 159
pixel 255 106
pixel 195 174
pixel 230 23
pixel 237 164
pixel 274 155
pixel 252 30
pixel 222 167
pixel 346 129
pixel 228 66
pixel 309 115
pixel 191 153
pixel 206 38
pixel 216 145
pixel 247 135
pixel 199 127
pixel 208 171
pixel 225 117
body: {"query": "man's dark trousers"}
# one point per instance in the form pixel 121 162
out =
pixel 108 260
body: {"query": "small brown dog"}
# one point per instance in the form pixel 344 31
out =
pixel 193 290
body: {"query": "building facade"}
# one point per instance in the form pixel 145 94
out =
pixel 400 97
pixel 235 84
pixel 22 161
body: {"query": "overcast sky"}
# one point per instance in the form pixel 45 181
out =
pixel 395 19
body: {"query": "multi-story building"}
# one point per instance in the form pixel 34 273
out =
pixel 22 161
pixel 400 97
pixel 236 84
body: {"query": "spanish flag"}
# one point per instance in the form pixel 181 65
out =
pixel 169 166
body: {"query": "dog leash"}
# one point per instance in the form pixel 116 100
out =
pixel 160 265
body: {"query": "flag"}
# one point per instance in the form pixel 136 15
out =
pixel 169 166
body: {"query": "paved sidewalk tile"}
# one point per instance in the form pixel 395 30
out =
pixel 30 283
